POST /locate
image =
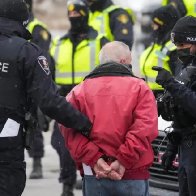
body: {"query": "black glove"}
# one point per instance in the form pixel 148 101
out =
pixel 169 156
pixel 163 76
pixel 86 130
pixel 43 121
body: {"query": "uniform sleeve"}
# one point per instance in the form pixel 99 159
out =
pixel 121 26
pixel 143 130
pixel 41 37
pixel 81 149
pixel 183 95
pixel 40 87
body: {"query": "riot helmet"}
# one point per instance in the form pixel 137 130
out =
pixel 15 10
pixel 78 14
pixel 29 4
pixel 163 20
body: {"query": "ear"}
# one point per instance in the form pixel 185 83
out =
pixel 123 61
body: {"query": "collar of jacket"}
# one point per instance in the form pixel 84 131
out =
pixel 111 69
pixel 100 5
pixel 11 28
pixel 31 17
pixel 90 34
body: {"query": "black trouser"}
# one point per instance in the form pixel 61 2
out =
pixel 67 165
pixel 12 165
pixel 12 178
pixel 37 147
pixel 187 168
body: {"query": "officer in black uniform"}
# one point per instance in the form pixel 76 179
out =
pixel 42 37
pixel 182 91
pixel 24 78
pixel 79 31
pixel 120 21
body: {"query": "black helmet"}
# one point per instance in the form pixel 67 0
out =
pixel 89 2
pixel 165 17
pixel 15 10
pixel 29 4
pixel 184 30
pixel 79 6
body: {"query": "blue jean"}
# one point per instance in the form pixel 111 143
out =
pixel 106 187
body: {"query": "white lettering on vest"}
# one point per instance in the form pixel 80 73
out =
pixel 191 39
pixel 4 67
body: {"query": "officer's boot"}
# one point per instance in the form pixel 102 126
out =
pixel 37 169
pixel 79 184
pixel 67 190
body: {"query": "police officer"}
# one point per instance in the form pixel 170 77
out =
pixel 162 52
pixel 182 89
pixel 24 78
pixel 42 37
pixel 111 20
pixel 75 54
pixel 185 7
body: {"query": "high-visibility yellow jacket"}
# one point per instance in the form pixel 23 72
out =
pixel 155 55
pixel 34 23
pixel 73 65
pixel 100 20
pixel 190 6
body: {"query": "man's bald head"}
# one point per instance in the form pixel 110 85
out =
pixel 115 51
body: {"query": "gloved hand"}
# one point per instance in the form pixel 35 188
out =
pixel 169 156
pixel 163 76
pixel 86 130
pixel 43 121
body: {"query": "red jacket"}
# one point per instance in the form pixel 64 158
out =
pixel 125 122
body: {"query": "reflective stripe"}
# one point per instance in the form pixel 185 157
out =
pixel 155 56
pixel 102 22
pixel 76 74
pixel 85 59
pixel 69 74
pixel 56 53
pixel 92 54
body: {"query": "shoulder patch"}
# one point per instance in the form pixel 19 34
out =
pixel 44 64
pixel 44 34
pixel 123 18
pixel 125 31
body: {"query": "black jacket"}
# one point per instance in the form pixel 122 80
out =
pixel 36 79
pixel 184 96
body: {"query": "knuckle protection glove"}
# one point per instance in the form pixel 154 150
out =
pixel 163 76
pixel 169 156
pixel 85 131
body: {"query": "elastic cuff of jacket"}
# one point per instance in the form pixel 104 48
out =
pixel 94 160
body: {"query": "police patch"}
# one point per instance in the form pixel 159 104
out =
pixel 43 64
pixel 125 31
pixel 123 18
pixel 44 34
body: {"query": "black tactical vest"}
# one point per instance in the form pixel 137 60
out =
pixel 12 97
pixel 11 82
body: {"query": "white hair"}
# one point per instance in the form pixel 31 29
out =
pixel 114 52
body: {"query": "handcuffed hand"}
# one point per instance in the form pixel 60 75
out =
pixel 163 76
pixel 117 171
pixel 114 171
